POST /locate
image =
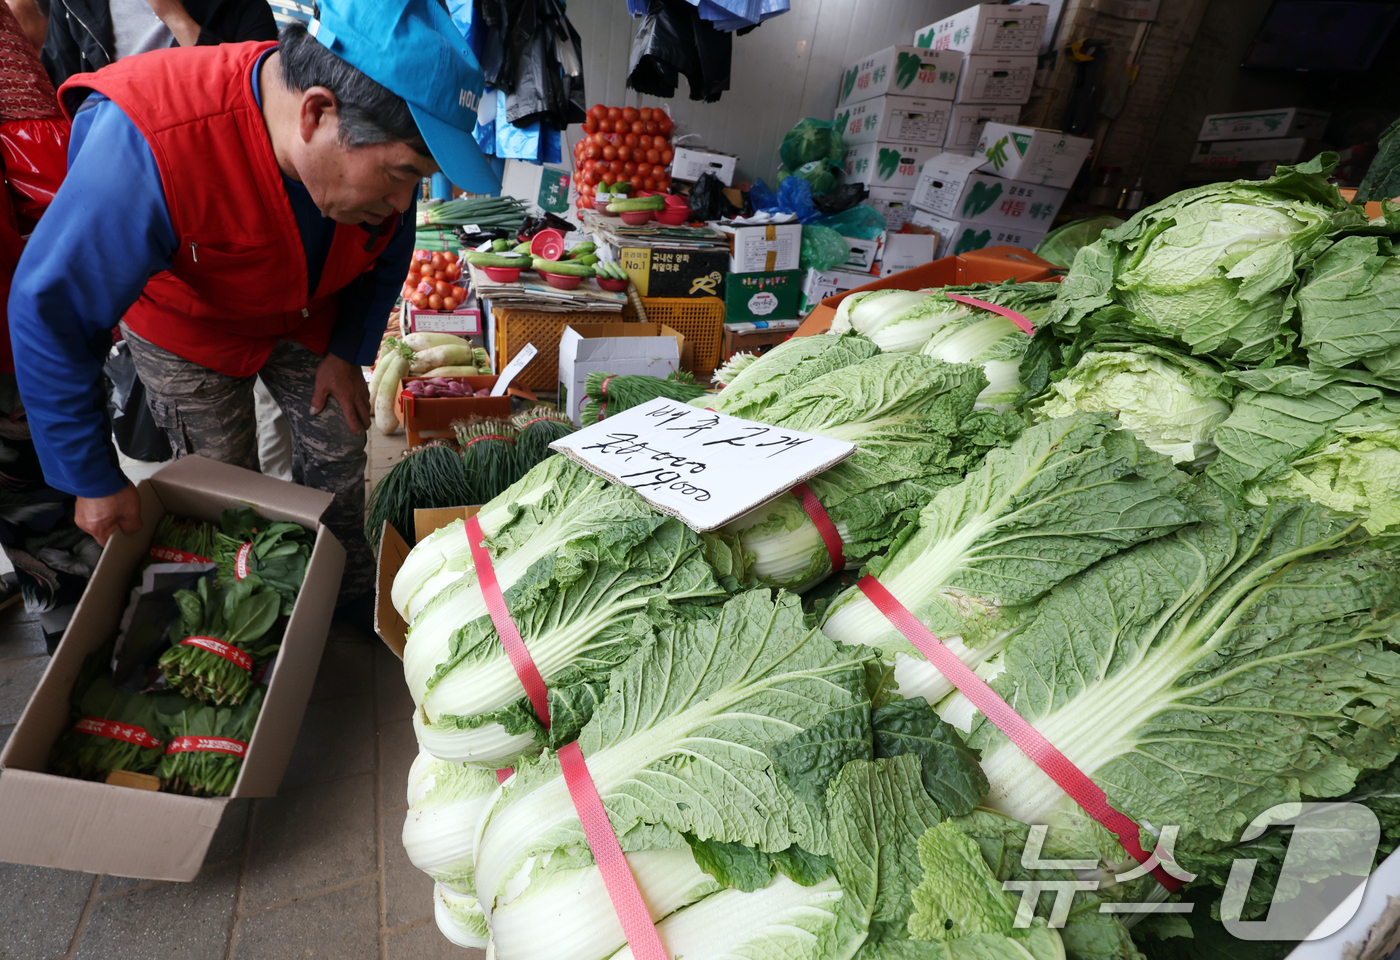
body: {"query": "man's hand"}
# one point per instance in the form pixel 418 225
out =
pixel 346 382
pixel 172 13
pixel 103 516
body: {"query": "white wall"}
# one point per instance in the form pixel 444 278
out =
pixel 783 71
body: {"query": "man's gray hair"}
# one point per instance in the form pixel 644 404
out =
pixel 369 113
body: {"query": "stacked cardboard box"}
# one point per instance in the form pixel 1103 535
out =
pixel 763 288
pixel 971 209
pixel 997 45
pixel 893 110
pixel 1254 143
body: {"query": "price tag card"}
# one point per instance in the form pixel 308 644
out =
pixel 703 467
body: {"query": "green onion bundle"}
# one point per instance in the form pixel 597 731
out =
pixel 488 213
pixel 537 428
pixel 427 476
pixel 112 731
pixel 490 459
pixel 277 551
pixel 608 394
pixel 206 746
pixel 215 641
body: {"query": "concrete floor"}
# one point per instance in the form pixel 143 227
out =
pixel 316 871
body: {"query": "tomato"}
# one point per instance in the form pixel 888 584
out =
pixel 597 111
pixel 610 178
pixel 643 169
pixel 653 156
pixel 638 127
pixel 592 177
pixel 645 114
pixel 435 302
pixel 652 127
pixel 593 151
pixel 630 113
pixel 665 122
pixel 667 155
pixel 614 114
pixel 605 126
pixel 629 169
pixel 657 142
pixel 610 152
pixel 624 152
pixel 590 125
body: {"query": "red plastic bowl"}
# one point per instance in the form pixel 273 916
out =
pixel 502 274
pixel 611 285
pixel 674 201
pixel 673 216
pixel 548 244
pixel 561 281
pixel 636 218
pixel 602 207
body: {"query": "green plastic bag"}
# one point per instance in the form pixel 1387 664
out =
pixel 811 140
pixel 822 248
pixel 821 174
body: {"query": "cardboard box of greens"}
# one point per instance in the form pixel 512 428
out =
pixel 904 71
pixel 55 821
pixel 895 120
pixel 988 28
pixel 775 295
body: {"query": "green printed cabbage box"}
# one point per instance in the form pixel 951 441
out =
pixel 951 187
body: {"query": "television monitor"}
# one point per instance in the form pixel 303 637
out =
pixel 1322 35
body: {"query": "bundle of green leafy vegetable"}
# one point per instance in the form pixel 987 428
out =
pixel 606 395
pixel 490 461
pixel 915 430
pixel 277 551
pixel 208 764
pixel 1062 496
pixel 183 535
pixel 238 614
pixel 131 739
pixel 536 429
pixel 428 476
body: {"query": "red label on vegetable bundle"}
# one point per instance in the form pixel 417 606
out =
pixel 240 561
pixel 220 649
pixel 171 555
pixel 207 745
pixel 117 731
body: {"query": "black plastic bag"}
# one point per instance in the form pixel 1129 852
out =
pixel 842 198
pixel 673 41
pixel 708 201
pixel 133 424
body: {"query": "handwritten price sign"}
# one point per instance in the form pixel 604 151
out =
pixel 703 467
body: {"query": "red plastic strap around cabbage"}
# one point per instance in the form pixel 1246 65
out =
pixel 829 534
pixel 519 656
pixel 207 745
pixel 622 887
pixel 171 555
pixel 1042 753
pixel 603 407
pixel 1006 312
pixel 115 730
pixel 503 774
pixel 218 648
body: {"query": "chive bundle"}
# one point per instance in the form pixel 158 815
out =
pixel 490 460
pixel 537 429
pixel 608 394
pixel 427 476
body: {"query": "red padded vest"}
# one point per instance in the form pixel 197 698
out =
pixel 237 284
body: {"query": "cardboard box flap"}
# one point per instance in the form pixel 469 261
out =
pixel 393 550
pixel 198 487
pixel 97 828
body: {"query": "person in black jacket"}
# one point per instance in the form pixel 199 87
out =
pixel 86 35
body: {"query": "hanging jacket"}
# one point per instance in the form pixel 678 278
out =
pixel 238 281
pixel 80 38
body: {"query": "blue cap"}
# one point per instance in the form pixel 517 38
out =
pixel 412 48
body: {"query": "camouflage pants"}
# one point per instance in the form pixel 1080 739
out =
pixel 211 414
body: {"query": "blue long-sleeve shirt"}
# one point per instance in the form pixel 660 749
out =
pixel 107 232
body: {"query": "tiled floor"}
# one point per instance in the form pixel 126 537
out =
pixel 317 871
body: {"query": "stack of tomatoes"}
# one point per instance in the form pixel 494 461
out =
pixel 432 281
pixel 623 145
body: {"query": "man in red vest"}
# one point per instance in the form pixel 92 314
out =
pixel 240 210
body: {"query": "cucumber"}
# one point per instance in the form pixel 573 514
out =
pixel 564 268
pixel 654 202
pixel 615 271
pixel 482 259
pixel 523 246
pixel 581 248
pixel 500 246
pixel 587 258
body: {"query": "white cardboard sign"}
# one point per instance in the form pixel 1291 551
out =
pixel 700 466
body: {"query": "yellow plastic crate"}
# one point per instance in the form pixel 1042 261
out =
pixel 700 321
